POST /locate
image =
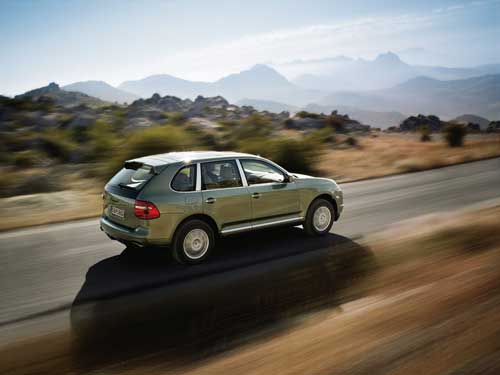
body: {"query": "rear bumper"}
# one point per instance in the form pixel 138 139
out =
pixel 120 233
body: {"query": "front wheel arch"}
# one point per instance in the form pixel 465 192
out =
pixel 328 198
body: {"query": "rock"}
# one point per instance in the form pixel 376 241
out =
pixel 413 123
pixel 493 127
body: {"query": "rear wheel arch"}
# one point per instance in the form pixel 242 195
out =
pixel 200 245
pixel 202 217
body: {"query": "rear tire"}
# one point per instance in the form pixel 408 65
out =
pixel 319 217
pixel 193 242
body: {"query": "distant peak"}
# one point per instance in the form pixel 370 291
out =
pixel 388 56
pixel 262 67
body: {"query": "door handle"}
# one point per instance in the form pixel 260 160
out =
pixel 256 195
pixel 210 200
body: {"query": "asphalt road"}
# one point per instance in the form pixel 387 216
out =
pixel 44 269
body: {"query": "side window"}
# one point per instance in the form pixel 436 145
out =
pixel 220 174
pixel 258 172
pixel 185 179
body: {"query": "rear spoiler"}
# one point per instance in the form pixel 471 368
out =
pixel 132 164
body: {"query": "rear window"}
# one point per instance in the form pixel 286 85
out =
pixel 132 177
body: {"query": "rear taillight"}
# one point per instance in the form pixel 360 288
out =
pixel 146 210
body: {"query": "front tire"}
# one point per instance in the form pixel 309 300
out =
pixel 319 217
pixel 193 242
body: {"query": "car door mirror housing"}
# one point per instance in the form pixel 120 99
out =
pixel 289 178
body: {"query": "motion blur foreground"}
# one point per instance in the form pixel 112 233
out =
pixel 352 301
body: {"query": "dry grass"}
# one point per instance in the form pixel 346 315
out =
pixel 374 157
pixel 401 153
pixel 80 198
pixel 45 208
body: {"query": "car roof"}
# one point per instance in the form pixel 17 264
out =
pixel 190 156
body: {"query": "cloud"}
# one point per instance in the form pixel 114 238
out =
pixel 456 7
pixel 362 37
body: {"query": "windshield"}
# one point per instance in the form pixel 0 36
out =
pixel 132 177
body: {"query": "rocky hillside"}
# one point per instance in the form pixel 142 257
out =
pixel 52 107
pixel 434 123
pixel 54 94
pixel 304 120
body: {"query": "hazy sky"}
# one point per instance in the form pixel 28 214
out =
pixel 67 41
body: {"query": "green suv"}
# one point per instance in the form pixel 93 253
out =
pixel 188 199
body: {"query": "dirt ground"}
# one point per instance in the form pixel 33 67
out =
pixel 426 301
pixel 387 154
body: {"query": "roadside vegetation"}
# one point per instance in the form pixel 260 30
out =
pixel 46 148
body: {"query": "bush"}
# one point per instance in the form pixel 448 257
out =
pixel 236 132
pixel 155 140
pixel 425 138
pixel 351 141
pixel 335 122
pixel 425 133
pixel 27 159
pixel 323 135
pixel 175 117
pixel 56 144
pixel 305 114
pixel 12 184
pixel 455 134
pixel 294 155
pixel 101 140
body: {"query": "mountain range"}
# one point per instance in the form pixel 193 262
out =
pixel 386 70
pixel 447 99
pixel 260 82
pixel 103 91
pixel 397 89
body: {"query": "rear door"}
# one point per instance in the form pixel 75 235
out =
pixel 272 198
pixel 121 191
pixel 225 199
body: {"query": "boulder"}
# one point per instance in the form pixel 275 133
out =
pixel 413 123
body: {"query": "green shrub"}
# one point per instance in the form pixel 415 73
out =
pixel 323 135
pixel 351 141
pixel 12 184
pixel 176 118
pixel 295 155
pixel 425 133
pixel 27 159
pixel 102 140
pixel 305 114
pixel 56 144
pixel 455 134
pixel 155 140
pixel 254 126
pixel 335 122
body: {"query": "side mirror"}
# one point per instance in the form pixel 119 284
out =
pixel 289 178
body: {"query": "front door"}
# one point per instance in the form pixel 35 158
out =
pixel 272 198
pixel 224 197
